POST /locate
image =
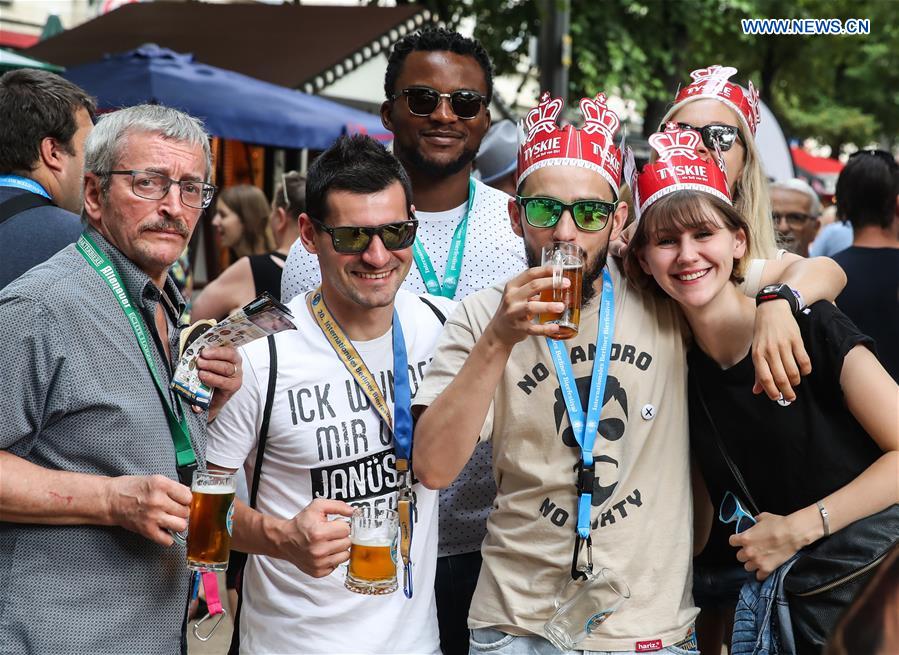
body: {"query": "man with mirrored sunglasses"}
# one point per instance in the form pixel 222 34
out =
pixel 437 89
pixel 330 448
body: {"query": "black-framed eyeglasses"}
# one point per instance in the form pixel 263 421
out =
pixel 352 240
pixel 883 155
pixel 714 134
pixel 793 219
pixel 732 510
pixel 153 186
pixel 589 215
pixel 423 100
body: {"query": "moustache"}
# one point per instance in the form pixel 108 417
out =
pixel 168 226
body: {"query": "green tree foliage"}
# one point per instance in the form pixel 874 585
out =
pixel 837 88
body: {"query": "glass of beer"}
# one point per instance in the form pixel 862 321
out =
pixel 211 512
pixel 372 569
pixel 567 260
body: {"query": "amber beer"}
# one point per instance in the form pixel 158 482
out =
pixel 209 535
pixel 372 568
pixel 567 260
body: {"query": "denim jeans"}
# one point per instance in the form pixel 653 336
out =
pixel 496 642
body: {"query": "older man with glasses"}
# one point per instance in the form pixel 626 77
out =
pixel 96 448
pixel 795 211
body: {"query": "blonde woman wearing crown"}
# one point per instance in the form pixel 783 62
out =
pixel 811 466
pixel 727 115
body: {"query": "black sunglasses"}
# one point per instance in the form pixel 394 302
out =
pixel 589 215
pixel 423 100
pixel 882 155
pixel 714 134
pixel 731 511
pixel 352 240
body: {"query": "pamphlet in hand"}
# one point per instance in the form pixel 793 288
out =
pixel 260 318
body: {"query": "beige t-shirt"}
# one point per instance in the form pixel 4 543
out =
pixel 645 532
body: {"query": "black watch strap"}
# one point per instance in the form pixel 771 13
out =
pixel 776 292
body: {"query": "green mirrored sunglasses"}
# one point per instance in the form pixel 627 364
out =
pixel 589 215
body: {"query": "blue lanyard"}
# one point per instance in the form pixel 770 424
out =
pixel 24 183
pixel 453 271
pixel 585 431
pixel 402 394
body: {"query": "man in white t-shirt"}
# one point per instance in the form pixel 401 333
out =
pixel 436 137
pixel 327 449
pixel 493 380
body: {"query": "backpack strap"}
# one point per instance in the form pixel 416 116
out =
pixel 440 315
pixel 266 417
pixel 20 203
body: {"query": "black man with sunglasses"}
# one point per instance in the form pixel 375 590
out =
pixel 339 435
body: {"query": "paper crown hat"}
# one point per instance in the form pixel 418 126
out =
pixel 544 143
pixel 712 82
pixel 683 164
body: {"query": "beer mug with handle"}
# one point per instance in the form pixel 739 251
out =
pixel 211 513
pixel 372 569
pixel 567 260
pixel 595 600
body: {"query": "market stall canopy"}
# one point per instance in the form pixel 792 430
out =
pixel 821 172
pixel 298 46
pixel 10 60
pixel 231 105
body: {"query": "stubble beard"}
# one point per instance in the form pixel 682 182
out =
pixel 415 160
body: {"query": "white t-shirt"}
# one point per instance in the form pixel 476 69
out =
pixel 325 441
pixel 493 252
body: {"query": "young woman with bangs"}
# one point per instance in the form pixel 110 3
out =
pixel 813 466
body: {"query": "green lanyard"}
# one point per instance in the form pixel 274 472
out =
pixel 184 452
pixel 453 261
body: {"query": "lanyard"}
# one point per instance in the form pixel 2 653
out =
pixel 453 261
pixel 585 430
pixel 400 424
pixel 184 452
pixel 24 183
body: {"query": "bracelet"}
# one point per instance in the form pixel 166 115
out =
pixel 824 518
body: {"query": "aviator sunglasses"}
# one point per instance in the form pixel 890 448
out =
pixel 589 215
pixel 713 135
pixel 731 511
pixel 423 100
pixel 352 240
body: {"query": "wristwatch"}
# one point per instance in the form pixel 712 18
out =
pixel 777 291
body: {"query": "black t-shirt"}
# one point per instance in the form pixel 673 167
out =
pixel 871 298
pixel 790 456
pixel 267 274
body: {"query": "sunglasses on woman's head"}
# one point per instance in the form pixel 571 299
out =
pixel 352 240
pixel 589 215
pixel 731 511
pixel 423 101
pixel 882 155
pixel 715 134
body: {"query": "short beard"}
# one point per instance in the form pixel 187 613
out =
pixel 417 162
pixel 592 270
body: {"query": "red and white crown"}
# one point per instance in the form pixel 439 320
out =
pixel 683 164
pixel 544 143
pixel 712 82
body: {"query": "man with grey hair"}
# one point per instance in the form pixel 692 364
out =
pixel 89 488
pixel 795 210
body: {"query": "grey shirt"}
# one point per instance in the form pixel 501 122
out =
pixel 79 397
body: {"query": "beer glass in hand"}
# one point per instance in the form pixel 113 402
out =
pixel 567 260
pixel 211 511
pixel 372 568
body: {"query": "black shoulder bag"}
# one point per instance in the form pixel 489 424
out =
pixel 234 648
pixel 830 572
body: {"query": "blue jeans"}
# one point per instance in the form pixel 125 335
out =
pixel 496 642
